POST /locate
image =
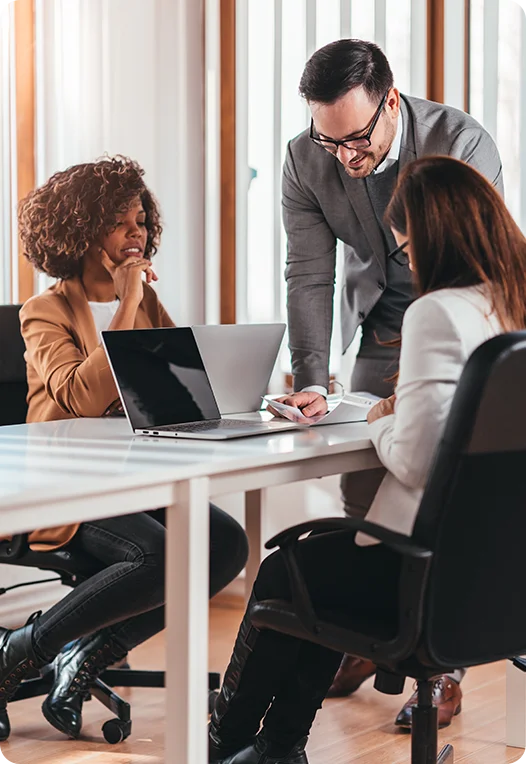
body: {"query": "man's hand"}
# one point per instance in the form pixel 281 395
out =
pixel 384 407
pixel 310 404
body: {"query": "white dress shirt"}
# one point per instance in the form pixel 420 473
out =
pixel 392 157
pixel 439 332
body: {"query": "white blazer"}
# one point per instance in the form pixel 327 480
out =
pixel 439 332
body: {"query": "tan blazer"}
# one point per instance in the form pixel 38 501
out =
pixel 68 373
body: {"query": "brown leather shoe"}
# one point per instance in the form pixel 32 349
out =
pixel 447 697
pixel 351 674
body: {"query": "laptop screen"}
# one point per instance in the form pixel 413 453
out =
pixel 160 376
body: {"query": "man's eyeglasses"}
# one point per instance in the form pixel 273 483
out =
pixel 362 142
pixel 399 255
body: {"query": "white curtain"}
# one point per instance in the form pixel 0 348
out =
pixel 7 153
pixel 125 77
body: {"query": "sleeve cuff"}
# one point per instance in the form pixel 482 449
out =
pixel 379 427
pixel 315 389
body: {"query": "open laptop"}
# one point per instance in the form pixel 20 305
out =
pixel 165 390
pixel 239 359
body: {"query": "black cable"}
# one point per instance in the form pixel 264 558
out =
pixel 5 589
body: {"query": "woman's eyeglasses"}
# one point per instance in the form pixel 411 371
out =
pixel 399 255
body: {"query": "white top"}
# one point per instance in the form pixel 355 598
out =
pixel 439 332
pixel 103 313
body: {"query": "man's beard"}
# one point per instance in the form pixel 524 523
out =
pixel 363 170
pixel 373 159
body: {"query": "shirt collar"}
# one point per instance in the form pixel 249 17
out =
pixel 394 152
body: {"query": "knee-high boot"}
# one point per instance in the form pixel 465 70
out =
pixel 287 723
pixel 250 682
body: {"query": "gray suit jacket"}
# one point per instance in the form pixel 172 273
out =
pixel 321 204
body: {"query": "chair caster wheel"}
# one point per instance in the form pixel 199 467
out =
pixel 212 697
pixel 115 731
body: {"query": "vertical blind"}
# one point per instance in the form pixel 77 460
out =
pixel 281 35
pixel 498 89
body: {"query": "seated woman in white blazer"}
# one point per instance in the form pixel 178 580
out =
pixel 468 259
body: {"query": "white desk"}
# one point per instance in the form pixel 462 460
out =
pixel 56 473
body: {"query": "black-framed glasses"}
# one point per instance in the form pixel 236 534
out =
pixel 399 255
pixel 362 142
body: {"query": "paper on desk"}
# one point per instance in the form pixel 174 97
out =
pixel 353 407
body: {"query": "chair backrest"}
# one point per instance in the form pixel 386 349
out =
pixel 473 513
pixel 13 380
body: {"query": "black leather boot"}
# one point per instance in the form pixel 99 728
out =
pixel 76 669
pixel 258 662
pixel 219 748
pixel 262 751
pixel 17 661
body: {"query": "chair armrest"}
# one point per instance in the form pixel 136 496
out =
pixel 14 549
pixel 396 541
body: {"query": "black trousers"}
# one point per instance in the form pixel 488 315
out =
pixel 127 594
pixel 285 679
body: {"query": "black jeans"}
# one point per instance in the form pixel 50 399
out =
pixel 285 679
pixel 127 594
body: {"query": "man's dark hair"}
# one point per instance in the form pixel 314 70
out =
pixel 332 71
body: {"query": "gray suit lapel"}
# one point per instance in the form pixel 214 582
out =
pixel 361 204
pixel 359 198
pixel 407 147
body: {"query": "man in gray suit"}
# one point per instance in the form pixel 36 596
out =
pixel 338 178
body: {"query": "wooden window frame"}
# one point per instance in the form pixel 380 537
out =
pixel 24 21
pixel 228 162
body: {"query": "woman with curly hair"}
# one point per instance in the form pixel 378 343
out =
pixel 94 227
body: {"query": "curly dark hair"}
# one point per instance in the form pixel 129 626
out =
pixel 61 220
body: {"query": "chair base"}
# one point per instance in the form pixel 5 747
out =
pixel 424 730
pixel 446 755
pixel 119 728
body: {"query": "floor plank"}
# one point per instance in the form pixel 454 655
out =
pixel 355 730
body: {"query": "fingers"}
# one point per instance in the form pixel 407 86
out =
pixel 105 260
pixel 151 275
pixel 142 265
pixel 315 408
pixel 136 262
pixel 288 400
pixel 310 404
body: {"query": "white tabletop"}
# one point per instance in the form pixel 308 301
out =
pixel 55 473
pixel 49 460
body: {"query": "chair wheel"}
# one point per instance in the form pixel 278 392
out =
pixel 115 731
pixel 212 697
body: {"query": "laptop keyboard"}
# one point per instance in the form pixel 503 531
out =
pixel 210 424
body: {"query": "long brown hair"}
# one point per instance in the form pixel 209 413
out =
pixel 461 234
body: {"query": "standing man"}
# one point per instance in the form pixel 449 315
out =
pixel 338 178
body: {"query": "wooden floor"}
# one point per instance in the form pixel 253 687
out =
pixel 355 730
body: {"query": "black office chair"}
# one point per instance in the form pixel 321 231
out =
pixel 71 567
pixel 463 581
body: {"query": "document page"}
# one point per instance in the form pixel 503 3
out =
pixel 352 407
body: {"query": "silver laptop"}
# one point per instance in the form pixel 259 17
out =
pixel 239 359
pixel 165 390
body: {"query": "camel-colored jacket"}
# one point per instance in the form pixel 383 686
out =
pixel 68 374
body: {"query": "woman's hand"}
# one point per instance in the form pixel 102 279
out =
pixel 384 407
pixel 127 277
